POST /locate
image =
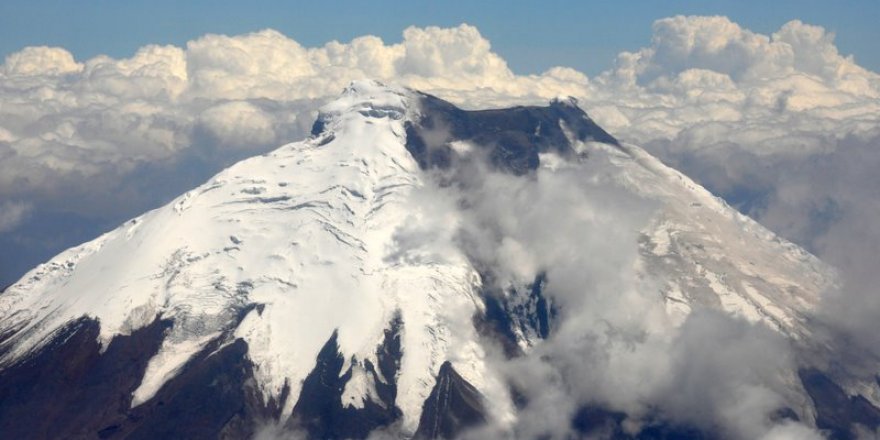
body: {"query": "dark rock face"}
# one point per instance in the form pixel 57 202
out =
pixel 511 138
pixel 319 410
pixel 529 312
pixel 837 412
pixel 594 422
pixel 71 390
pixel 389 356
pixel 668 431
pixel 452 406
pixel 536 313
pixel 495 326
pixel 212 398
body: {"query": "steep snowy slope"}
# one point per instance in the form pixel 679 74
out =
pixel 330 246
pixel 711 255
pixel 308 233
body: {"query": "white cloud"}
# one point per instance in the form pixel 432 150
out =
pixel 752 90
pixel 613 345
pixel 40 61
pixel 699 83
pixel 12 214
pixel 61 117
pixel 238 123
pixel 783 126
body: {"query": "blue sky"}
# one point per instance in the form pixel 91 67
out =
pixel 530 36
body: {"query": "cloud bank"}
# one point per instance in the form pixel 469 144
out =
pixel 704 84
pixel 782 126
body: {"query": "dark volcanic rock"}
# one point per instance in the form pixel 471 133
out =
pixel 496 326
pixel 72 390
pixel 511 138
pixel 69 389
pixel 319 410
pixel 597 422
pixel 389 356
pixel 837 412
pixel 452 406
pixel 531 313
pixel 210 399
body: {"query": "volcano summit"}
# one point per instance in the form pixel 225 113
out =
pixel 417 270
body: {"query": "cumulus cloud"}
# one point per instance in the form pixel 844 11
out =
pixel 782 126
pixel 109 138
pixel 62 117
pixel 41 61
pixel 12 214
pixel 706 80
pixel 699 83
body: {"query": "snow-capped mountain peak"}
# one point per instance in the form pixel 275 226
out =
pixel 338 261
pixel 283 251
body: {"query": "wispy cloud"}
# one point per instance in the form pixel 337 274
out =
pixel 12 214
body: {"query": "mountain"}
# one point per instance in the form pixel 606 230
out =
pixel 325 288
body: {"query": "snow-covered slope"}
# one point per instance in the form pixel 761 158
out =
pixel 710 255
pixel 331 236
pixel 308 233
